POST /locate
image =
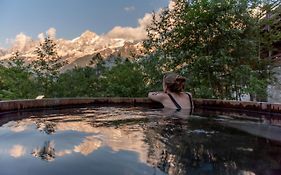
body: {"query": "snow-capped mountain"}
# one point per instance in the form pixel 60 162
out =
pixel 83 47
pixel 2 52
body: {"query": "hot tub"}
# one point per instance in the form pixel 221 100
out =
pixel 137 139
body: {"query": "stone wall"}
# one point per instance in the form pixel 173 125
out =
pixel 34 104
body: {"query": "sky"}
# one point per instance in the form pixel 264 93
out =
pixel 68 19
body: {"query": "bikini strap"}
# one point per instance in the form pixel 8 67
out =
pixel 175 102
pixel 191 104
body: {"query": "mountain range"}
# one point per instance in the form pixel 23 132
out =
pixel 81 50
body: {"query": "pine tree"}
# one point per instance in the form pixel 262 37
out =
pixel 47 66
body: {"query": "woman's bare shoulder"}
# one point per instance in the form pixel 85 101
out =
pixel 188 93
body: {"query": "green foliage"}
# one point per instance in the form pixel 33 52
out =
pixel 79 82
pixel 152 72
pixel 270 25
pixel 47 66
pixel 219 45
pixel 15 80
pixel 214 43
pixel 124 80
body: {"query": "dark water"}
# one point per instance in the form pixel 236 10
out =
pixel 125 141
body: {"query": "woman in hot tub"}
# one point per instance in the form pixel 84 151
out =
pixel 173 95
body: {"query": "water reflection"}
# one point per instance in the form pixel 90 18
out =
pixel 183 113
pixel 258 129
pixel 17 151
pixel 89 144
pixel 122 138
pixel 137 141
pixel 63 153
pixel 46 126
pixel 47 152
pixel 20 126
pixel 213 150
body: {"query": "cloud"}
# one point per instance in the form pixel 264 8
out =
pixel 17 151
pixel 41 37
pixel 20 42
pixel 133 33
pixel 63 153
pixel 127 33
pixel 9 41
pixel 171 5
pixel 139 32
pixel 145 21
pixel 129 9
pixel 51 32
pixel 89 144
pixel 20 128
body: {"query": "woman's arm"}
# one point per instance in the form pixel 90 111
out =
pixel 156 96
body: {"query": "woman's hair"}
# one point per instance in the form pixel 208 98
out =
pixel 177 86
pixel 175 83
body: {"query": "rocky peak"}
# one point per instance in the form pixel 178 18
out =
pixel 87 44
pixel 2 52
pixel 88 35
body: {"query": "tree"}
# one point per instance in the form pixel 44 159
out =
pixel 270 35
pixel 17 81
pixel 98 62
pixel 79 82
pixel 47 66
pixel 211 42
pixel 151 71
pixel 123 80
